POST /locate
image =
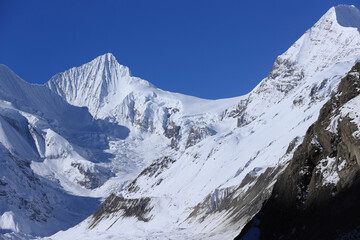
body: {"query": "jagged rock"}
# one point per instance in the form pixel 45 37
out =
pixel 91 179
pixel 173 132
pixel 154 170
pixel 138 208
pixel 238 204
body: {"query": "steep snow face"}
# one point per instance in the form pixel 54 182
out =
pixel 200 191
pixel 96 83
pixel 29 203
pixel 334 37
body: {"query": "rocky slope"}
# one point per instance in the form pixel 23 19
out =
pixel 316 196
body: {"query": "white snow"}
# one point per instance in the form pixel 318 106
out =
pixel 7 222
pixel 341 165
pixel 327 168
pixel 352 109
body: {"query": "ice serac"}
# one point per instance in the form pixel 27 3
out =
pixel 210 189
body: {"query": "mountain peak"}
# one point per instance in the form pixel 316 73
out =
pixel 107 57
pixel 94 83
pixel 107 61
pixel 347 16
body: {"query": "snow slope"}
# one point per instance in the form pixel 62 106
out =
pixel 212 186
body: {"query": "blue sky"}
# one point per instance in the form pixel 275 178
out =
pixel 209 49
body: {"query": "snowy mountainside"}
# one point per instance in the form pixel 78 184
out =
pixel 213 187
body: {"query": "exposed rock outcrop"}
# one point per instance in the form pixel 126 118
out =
pixel 197 134
pixel 125 207
pixel 153 170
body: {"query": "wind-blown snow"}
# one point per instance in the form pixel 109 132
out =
pixel 327 168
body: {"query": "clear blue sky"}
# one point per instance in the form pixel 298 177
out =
pixel 209 49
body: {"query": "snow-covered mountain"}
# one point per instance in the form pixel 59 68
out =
pixel 169 165
pixel 214 187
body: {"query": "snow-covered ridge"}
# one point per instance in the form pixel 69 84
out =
pixel 91 84
pixel 331 40
pixel 26 96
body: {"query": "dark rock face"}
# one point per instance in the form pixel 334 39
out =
pixel 92 179
pixel 239 206
pixel 243 120
pixel 171 130
pixel 317 196
pixel 131 208
pixel 240 109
